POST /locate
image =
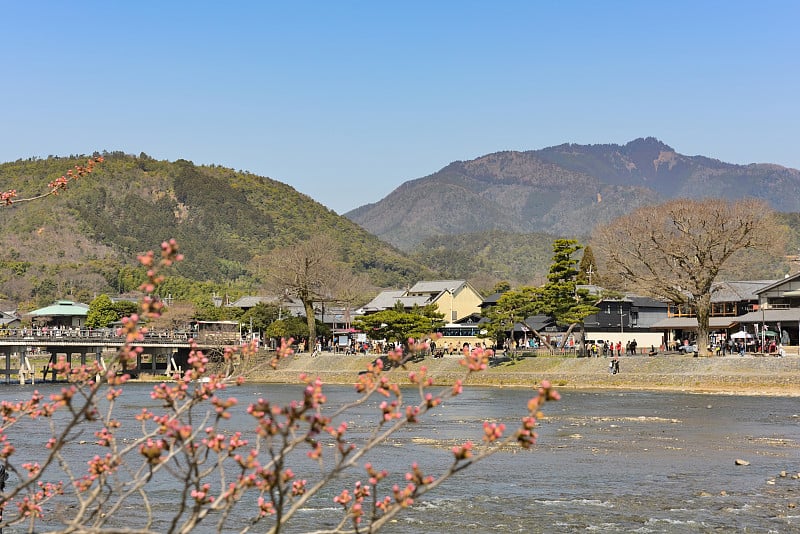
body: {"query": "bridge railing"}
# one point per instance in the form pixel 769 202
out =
pixel 31 335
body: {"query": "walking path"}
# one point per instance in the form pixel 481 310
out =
pixel 752 375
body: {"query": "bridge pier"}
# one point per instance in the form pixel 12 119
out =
pixel 10 353
pixel 90 354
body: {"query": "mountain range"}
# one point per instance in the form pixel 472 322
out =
pixel 564 190
pixel 492 218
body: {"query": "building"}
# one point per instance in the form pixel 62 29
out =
pixel 9 320
pixel 777 311
pixel 62 314
pixel 626 319
pixel 455 299
pixel 732 307
pixel 335 317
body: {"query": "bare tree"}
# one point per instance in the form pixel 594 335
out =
pixel 350 289
pixel 307 271
pixel 676 250
pixel 176 316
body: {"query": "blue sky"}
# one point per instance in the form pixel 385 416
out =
pixel 347 100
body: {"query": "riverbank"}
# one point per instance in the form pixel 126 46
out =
pixel 748 375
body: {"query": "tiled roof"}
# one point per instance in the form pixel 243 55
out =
pixel 251 301
pixel 739 291
pixel 491 300
pixel 691 322
pixel 384 299
pixel 436 286
pixel 647 302
pixel 8 318
pixel 791 315
pixel 776 283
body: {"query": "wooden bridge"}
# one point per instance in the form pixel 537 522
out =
pixel 162 353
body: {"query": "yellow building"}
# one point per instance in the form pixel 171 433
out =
pixel 455 299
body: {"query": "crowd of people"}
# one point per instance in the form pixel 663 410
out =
pixel 607 348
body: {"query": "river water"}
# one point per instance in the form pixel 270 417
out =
pixel 606 461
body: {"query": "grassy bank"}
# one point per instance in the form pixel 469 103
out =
pixel 731 374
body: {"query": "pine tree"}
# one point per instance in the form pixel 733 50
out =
pixel 587 268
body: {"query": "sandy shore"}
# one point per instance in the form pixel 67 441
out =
pixel 748 375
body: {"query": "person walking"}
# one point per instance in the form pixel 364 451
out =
pixel 613 365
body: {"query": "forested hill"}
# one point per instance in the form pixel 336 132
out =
pixel 563 190
pixel 79 242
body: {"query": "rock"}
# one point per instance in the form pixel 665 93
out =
pixel 783 474
pixel 739 461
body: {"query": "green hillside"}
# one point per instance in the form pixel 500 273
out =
pixel 84 240
pixel 486 257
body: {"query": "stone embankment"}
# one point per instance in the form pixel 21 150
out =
pixel 750 375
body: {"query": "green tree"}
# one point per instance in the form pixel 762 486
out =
pixel 501 286
pixel 513 306
pixel 125 308
pixel 260 316
pixel 587 268
pixel 101 312
pixel 398 326
pixel 558 297
pixel 206 310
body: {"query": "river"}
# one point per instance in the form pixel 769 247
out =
pixel 605 461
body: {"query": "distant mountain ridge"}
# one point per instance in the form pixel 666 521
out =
pixel 563 190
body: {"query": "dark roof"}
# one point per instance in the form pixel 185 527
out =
pixel 252 301
pixel 471 319
pixel 647 302
pixel 538 322
pixel 491 300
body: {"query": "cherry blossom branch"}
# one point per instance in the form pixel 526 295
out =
pixel 7 198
